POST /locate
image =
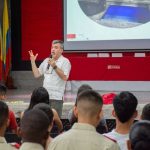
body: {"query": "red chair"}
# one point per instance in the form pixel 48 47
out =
pixel 108 98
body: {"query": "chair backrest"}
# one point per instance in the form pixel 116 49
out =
pixel 66 124
pixel 12 138
pixel 111 124
pixel 101 129
pixel 18 121
pixel 108 98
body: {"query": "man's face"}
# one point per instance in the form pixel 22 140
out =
pixel 56 51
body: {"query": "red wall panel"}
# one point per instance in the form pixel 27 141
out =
pixel 109 69
pixel 42 22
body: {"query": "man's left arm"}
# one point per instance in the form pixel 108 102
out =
pixel 60 73
pixel 64 71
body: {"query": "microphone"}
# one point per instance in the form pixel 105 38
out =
pixel 48 63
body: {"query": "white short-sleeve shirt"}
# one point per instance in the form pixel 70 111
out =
pixel 120 138
pixel 52 82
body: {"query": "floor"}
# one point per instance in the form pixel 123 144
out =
pixel 18 100
pixel 23 95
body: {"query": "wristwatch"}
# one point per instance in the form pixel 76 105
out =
pixel 55 67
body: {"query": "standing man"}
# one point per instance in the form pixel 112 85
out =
pixel 56 71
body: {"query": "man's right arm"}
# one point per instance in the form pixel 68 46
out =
pixel 35 70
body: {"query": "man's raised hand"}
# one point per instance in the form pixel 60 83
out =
pixel 32 56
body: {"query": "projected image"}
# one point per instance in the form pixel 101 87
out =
pixel 117 13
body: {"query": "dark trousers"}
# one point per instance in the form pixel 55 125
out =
pixel 57 105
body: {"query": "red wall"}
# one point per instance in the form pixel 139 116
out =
pixel 42 22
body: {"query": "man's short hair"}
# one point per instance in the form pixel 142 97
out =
pixel 140 135
pixel 125 105
pixel 146 112
pixel 60 42
pixel 4 113
pixel 46 109
pixel 83 87
pixel 3 89
pixel 89 103
pixel 34 126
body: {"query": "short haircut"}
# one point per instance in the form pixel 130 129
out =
pixel 34 126
pixel 3 89
pixel 140 135
pixel 82 88
pixel 89 103
pixel 39 95
pixel 46 109
pixel 60 42
pixel 4 113
pixel 125 105
pixel 146 112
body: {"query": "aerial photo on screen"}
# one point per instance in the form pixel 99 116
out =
pixel 117 13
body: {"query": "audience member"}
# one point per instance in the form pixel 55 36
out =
pixel 40 95
pixel 146 112
pixel 125 112
pixel 72 118
pixel 48 111
pixel 139 137
pixel 4 121
pixel 12 119
pixel 83 134
pixel 34 130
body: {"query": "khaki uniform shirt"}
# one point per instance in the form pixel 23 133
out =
pixel 82 137
pixel 4 145
pixel 31 146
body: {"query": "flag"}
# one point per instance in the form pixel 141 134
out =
pixel 1 63
pixel 6 40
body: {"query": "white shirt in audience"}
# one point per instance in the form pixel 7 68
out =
pixel 120 138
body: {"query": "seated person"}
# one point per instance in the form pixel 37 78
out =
pixel 124 111
pixel 83 134
pixel 34 130
pixel 72 118
pixel 12 119
pixel 48 111
pixel 40 95
pixel 4 121
pixel 146 112
pixel 139 137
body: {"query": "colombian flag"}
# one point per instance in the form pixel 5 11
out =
pixel 1 63
pixel 6 40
